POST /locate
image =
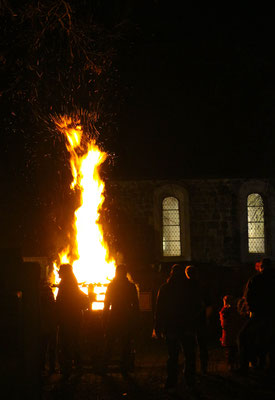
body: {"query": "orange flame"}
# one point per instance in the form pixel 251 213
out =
pixel 92 264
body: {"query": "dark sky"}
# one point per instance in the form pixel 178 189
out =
pixel 201 100
pixel 196 93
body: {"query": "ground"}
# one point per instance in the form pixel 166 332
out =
pixel 146 382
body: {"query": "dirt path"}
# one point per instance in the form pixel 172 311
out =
pixel 146 383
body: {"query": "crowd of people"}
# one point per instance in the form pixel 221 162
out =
pixel 62 319
pixel 247 323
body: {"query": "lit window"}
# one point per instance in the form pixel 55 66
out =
pixel 171 243
pixel 255 219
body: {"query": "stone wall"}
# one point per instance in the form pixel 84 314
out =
pixel 214 226
pixel 215 210
pixel 214 220
pixel 130 220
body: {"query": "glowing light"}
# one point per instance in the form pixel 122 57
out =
pixel 88 253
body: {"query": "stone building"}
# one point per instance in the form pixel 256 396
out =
pixel 220 224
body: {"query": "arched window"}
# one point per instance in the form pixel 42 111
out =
pixel 171 229
pixel 256 225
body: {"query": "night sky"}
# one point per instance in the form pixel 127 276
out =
pixel 202 99
pixel 194 92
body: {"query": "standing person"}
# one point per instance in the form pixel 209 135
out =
pixel 120 315
pixel 48 327
pixel 70 302
pixel 231 323
pixel 177 313
pixel 192 274
pixel 257 338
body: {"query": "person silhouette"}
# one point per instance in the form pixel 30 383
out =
pixel 177 314
pixel 70 302
pixel 120 317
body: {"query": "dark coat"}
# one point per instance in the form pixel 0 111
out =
pixel 121 305
pixel 260 293
pixel 231 324
pixel 70 301
pixel 47 309
pixel 179 306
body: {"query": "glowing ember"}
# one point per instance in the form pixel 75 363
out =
pixel 91 261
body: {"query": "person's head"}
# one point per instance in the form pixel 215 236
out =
pixel 258 266
pixel 121 271
pixel 192 272
pixel 228 300
pixel 265 264
pixel 65 270
pixel 177 271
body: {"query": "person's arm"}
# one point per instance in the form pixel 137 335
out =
pixel 107 300
pixel 223 317
pixel 107 303
pixel 159 314
pixel 135 301
pixel 250 295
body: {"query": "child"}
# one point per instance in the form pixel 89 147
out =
pixel 230 324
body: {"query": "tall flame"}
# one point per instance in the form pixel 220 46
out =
pixel 92 264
